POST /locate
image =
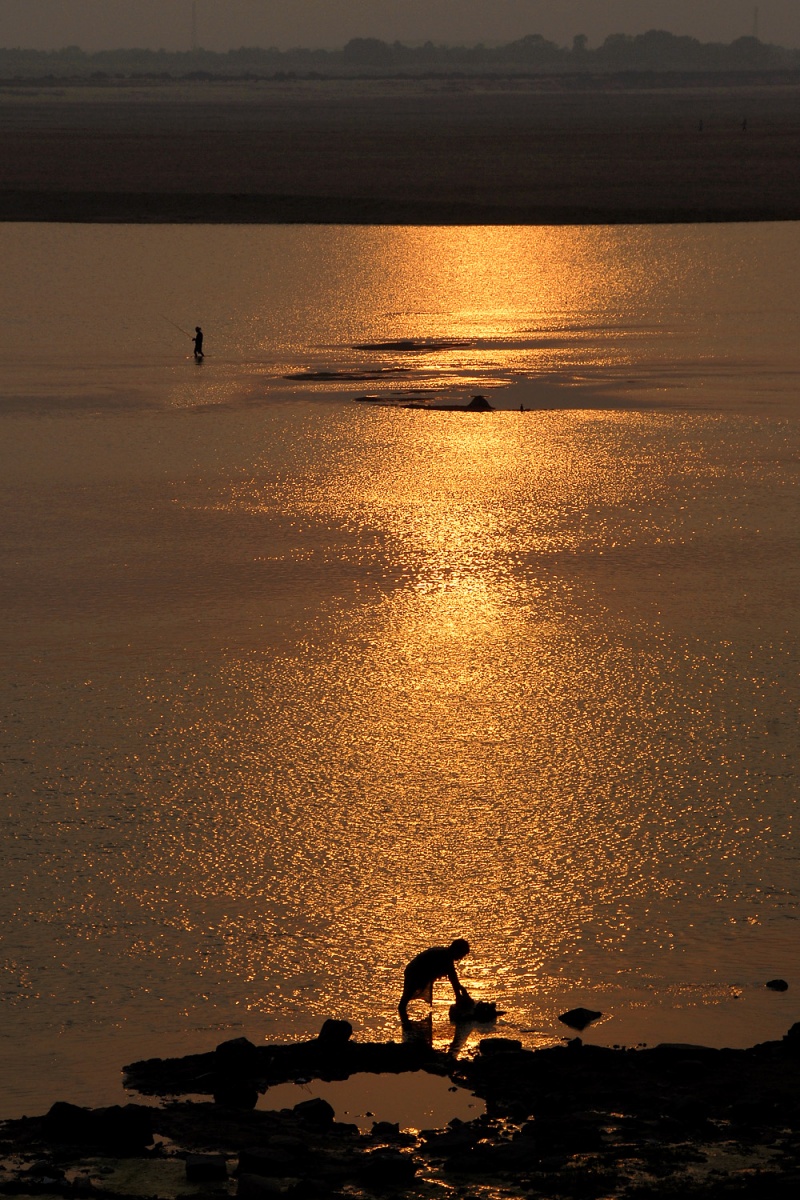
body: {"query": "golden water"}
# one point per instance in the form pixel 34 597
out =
pixel 295 687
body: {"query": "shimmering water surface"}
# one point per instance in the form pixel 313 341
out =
pixel 294 686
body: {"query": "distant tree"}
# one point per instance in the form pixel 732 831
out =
pixel 532 49
pixel 750 53
pixel 368 52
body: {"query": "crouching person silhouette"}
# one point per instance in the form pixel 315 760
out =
pixel 439 962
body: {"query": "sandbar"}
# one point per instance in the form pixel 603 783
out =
pixel 401 151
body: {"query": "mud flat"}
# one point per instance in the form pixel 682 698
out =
pixel 438 151
pixel 574 1120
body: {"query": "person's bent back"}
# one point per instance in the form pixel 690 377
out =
pixel 422 972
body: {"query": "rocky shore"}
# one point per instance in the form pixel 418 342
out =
pixel 574 1121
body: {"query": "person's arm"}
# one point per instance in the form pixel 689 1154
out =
pixel 458 987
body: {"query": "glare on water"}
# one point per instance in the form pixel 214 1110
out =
pixel 297 686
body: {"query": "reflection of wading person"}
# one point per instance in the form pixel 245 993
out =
pixel 422 972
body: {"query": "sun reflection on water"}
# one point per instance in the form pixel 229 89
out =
pixel 330 683
pixel 481 306
pixel 494 724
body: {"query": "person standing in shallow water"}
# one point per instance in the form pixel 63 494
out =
pixel 198 342
pixel 439 962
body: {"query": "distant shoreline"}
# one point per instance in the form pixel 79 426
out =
pixel 168 209
pixel 410 152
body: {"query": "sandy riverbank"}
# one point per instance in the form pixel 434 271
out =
pixel 400 151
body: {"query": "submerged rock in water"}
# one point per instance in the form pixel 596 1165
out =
pixel 579 1018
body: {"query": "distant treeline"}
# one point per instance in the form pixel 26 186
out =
pixel 653 51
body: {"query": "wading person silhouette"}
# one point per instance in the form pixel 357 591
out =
pixel 439 962
pixel 198 342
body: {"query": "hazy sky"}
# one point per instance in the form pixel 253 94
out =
pixel 99 24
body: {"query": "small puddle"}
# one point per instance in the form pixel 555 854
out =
pixel 412 1100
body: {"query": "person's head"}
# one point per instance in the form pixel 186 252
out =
pixel 459 949
pixel 197 329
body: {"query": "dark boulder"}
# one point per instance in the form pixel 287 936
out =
pixel 236 1057
pixel 125 1129
pixel 70 1123
pixel 579 1018
pixel 459 1136
pixel 317 1112
pixel 121 1129
pixel 335 1033
pixel 777 985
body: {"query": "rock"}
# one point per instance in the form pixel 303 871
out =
pixel 236 1057
pixel 335 1033
pixel 778 985
pixel 125 1129
pixel 122 1129
pixel 256 1187
pixel 70 1123
pixel 43 1177
pixel 387 1167
pixel 479 1011
pixel 386 1131
pixel 579 1018
pixel 205 1168
pixel 451 1140
pixel 499 1045
pixel 316 1112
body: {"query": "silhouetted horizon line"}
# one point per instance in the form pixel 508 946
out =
pixel 656 51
